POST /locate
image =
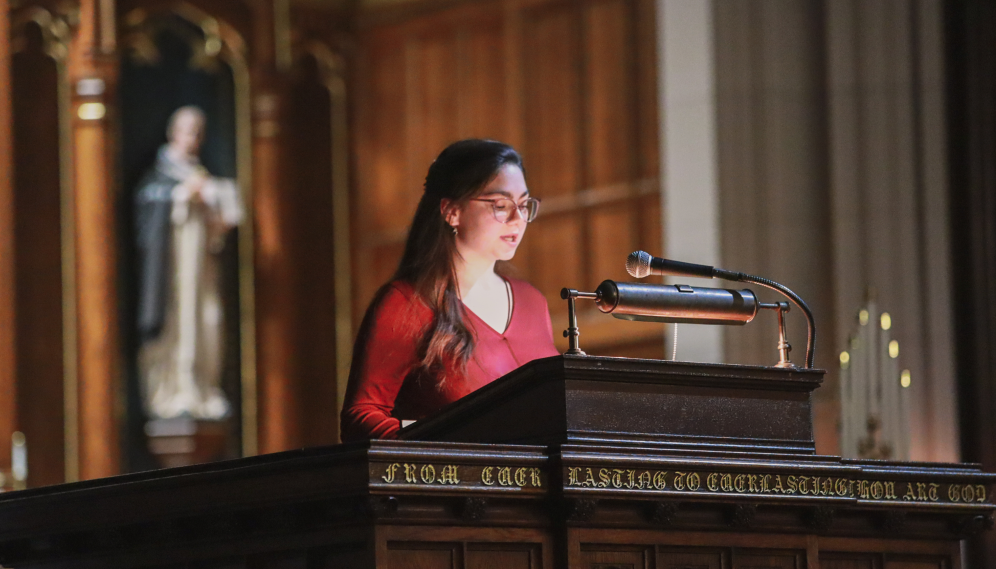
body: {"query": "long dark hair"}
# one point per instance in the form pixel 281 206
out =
pixel 459 173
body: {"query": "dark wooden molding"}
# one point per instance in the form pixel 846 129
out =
pixel 580 509
pixel 820 518
pixel 473 508
pixel 742 516
pixel 893 522
pixel 663 513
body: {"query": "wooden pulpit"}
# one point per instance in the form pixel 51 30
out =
pixel 571 461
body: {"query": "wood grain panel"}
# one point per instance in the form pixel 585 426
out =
pixel 615 557
pixel 503 556
pixel 431 79
pixel 613 237
pixel 552 100
pixel 380 153
pixel 310 123
pixel 918 563
pixel 483 84
pixel 688 558
pixel 649 211
pixel 768 560
pixel 554 250
pixel 853 561
pixel 8 361
pixel 382 150
pixel 38 259
pixel 610 96
pixel 423 555
pixel 645 45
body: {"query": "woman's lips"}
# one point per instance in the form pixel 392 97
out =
pixel 512 239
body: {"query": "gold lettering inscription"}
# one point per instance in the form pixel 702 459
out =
pixel 712 482
pixel 726 483
pixel 679 481
pixel 954 492
pixel 520 477
pixel 744 483
pixel 392 470
pixel 424 474
pixel 792 485
pixel 603 478
pixel 694 482
pixel 410 474
pixel 660 480
pixel 589 479
pixel 890 491
pixel 428 474
pixel 932 493
pixel 615 476
pixel 740 483
pixel 909 495
pixel 968 493
pixel 449 475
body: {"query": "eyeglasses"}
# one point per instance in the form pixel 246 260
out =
pixel 503 207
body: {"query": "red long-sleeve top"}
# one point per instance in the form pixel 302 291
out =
pixel 384 386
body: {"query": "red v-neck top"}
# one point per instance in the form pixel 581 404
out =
pixel 383 386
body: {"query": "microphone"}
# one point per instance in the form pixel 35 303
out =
pixel 641 264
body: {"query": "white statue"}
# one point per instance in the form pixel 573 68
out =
pixel 182 217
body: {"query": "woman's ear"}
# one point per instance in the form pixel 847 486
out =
pixel 450 212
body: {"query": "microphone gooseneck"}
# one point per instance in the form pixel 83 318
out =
pixel 641 264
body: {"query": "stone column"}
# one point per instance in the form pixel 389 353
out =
pixel 689 191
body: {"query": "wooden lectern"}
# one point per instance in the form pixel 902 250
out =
pixel 571 461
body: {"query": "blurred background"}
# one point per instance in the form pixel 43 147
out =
pixel 844 148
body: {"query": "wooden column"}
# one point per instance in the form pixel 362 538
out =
pixel 8 363
pixel 278 377
pixel 92 73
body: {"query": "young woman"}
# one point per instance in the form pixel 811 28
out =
pixel 449 323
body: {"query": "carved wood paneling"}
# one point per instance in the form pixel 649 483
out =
pixel 35 82
pixel 571 84
pixel 93 139
pixel 311 192
pixel 8 362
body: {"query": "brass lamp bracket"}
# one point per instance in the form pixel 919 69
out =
pixel 572 332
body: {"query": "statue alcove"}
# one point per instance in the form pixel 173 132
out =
pixel 170 60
